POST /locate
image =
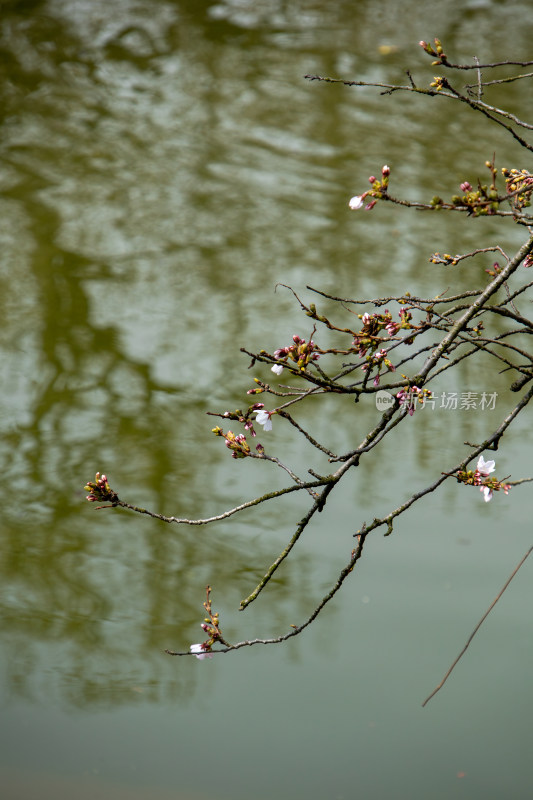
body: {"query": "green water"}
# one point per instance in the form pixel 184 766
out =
pixel 164 165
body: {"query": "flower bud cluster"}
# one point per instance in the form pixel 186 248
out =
pixel 439 82
pixel 444 258
pixel 521 181
pixel 236 442
pixel 480 201
pixel 494 270
pixel 244 418
pixel 368 337
pixel 380 361
pixel 300 352
pixel 480 477
pixel 379 189
pixel 210 626
pixel 410 395
pixel 100 491
pixel 261 387
pixel 435 52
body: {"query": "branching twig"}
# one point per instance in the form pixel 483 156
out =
pixel 450 329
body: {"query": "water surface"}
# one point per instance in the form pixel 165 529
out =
pixel 164 166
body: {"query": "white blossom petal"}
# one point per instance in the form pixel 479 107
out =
pixel 263 418
pixel 356 202
pixel 485 467
pixel 487 493
pixel 277 368
pixel 199 651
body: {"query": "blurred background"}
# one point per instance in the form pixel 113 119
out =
pixel 163 166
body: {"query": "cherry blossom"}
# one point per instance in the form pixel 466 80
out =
pixel 356 202
pixel 487 493
pixel 263 418
pixel 485 467
pixel 200 651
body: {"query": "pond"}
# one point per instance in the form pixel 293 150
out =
pixel 165 166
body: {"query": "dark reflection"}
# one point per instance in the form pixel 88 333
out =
pixel 162 170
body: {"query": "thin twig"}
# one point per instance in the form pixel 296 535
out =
pixel 225 514
pixel 477 65
pixel 481 621
pixel 479 84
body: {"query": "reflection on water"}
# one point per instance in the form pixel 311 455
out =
pixel 163 167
